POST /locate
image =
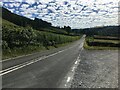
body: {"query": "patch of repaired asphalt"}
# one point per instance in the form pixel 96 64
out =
pixel 97 69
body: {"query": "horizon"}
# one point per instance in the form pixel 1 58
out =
pixel 77 14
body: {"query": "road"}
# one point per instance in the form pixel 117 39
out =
pixel 41 70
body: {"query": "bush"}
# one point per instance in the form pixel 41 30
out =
pixel 15 36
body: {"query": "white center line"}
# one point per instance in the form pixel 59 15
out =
pixel 11 69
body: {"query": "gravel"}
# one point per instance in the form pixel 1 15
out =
pixel 97 69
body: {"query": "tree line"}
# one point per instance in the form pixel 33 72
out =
pixel 37 24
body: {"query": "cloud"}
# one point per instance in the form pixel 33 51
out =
pixel 75 13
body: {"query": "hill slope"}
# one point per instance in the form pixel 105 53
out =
pixel 102 31
pixel 37 24
pixel 20 40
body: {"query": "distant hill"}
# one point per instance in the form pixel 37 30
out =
pixel 39 24
pixel 103 31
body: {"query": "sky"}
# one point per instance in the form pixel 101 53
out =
pixel 74 13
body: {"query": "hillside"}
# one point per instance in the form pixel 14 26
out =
pixel 102 31
pixel 37 24
pixel 19 40
pixel 23 21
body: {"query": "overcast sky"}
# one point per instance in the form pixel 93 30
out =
pixel 73 13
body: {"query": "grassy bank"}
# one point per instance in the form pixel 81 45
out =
pixel 92 43
pixel 17 40
pixel 15 52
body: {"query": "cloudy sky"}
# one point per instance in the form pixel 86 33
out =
pixel 74 13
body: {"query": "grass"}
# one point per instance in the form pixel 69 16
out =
pixel 18 41
pixel 107 41
pixel 15 52
pixel 98 47
pixel 106 37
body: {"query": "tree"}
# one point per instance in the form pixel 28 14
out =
pixel 67 29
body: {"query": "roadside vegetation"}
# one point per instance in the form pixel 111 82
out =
pixel 102 43
pixel 106 37
pixel 19 40
pixel 22 36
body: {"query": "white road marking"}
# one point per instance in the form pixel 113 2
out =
pixel 27 54
pixel 11 69
pixel 65 85
pixel 70 75
pixel 20 65
pixel 73 69
pixel 68 79
pixel 14 58
pixel 76 62
pixel 66 82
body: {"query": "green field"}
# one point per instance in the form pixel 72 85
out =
pixel 101 43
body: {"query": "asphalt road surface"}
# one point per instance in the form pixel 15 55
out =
pixel 41 70
pixel 97 69
pixel 69 66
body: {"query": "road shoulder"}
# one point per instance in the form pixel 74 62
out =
pixel 97 69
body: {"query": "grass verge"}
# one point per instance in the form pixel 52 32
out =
pixel 15 52
pixel 92 47
pixel 18 41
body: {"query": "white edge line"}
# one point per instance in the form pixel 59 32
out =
pixel 15 58
pixel 71 73
pixel 11 69
pixel 29 63
pixel 26 55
